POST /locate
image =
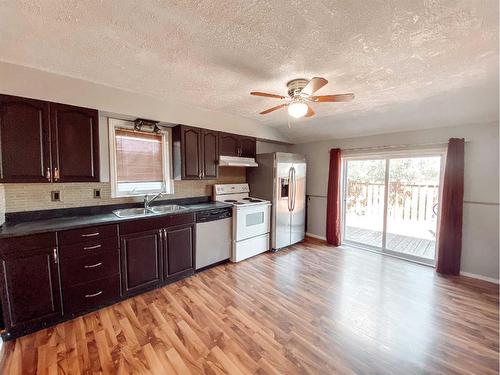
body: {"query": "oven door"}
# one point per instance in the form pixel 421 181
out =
pixel 251 221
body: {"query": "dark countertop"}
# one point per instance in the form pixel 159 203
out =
pixel 79 221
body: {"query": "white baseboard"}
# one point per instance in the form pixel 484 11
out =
pixel 480 277
pixel 315 236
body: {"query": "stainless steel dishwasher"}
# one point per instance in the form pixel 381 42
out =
pixel 213 236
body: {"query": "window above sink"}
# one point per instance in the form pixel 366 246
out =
pixel 139 160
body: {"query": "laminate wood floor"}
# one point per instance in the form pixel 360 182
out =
pixel 308 309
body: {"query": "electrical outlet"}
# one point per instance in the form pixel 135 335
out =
pixel 97 193
pixel 55 196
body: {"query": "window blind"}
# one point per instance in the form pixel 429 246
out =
pixel 138 156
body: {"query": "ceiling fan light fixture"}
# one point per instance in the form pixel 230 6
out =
pixel 297 109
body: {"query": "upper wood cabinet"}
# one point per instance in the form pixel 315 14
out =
pixel 228 144
pixel 47 142
pixel 75 143
pixel 210 144
pixel 248 146
pixel 24 140
pixel 195 153
pixel 237 145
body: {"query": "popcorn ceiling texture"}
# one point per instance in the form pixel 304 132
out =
pixel 412 64
pixel 30 197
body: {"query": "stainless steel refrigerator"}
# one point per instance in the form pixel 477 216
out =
pixel 281 179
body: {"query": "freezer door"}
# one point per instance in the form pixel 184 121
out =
pixel 298 213
pixel 282 205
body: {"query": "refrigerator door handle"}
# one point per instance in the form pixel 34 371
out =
pixel 290 186
pixel 294 184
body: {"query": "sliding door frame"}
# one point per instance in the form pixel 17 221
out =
pixel 387 156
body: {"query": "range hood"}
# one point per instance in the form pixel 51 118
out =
pixel 236 161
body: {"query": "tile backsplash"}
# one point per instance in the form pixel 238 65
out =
pixel 32 197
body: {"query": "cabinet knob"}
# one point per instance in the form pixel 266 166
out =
pixel 48 174
pixel 54 253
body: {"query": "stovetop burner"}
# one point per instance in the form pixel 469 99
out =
pixel 253 200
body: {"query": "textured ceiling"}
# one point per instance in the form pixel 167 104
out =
pixel 410 63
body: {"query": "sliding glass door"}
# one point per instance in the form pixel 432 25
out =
pixel 391 204
pixel 364 202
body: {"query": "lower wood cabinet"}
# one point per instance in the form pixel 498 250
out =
pixel 178 250
pixel 140 261
pixel 31 294
pixel 53 277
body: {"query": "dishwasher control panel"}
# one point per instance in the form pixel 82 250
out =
pixel 215 214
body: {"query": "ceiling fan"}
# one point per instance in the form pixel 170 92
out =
pixel 300 92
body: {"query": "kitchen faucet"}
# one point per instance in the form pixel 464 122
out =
pixel 147 201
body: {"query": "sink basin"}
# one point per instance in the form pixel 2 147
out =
pixel 166 208
pixel 132 212
pixel 136 212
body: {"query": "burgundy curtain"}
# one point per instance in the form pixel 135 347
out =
pixel 450 226
pixel 333 199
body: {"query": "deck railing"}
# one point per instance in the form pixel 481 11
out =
pixel 406 202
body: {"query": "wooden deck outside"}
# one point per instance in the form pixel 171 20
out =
pixel 403 244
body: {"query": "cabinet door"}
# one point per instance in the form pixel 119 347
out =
pixel 24 140
pixel 228 144
pixel 75 143
pixel 191 153
pixel 178 250
pixel 247 146
pixel 140 261
pixel 31 293
pixel 210 143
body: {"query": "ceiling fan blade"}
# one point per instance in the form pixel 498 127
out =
pixel 333 98
pixel 310 112
pixel 273 109
pixel 314 85
pixel 267 95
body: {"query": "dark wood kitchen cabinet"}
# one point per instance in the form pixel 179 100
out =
pixel 237 145
pixel 140 261
pixel 30 293
pixel 24 140
pixel 75 143
pixel 248 146
pixel 228 144
pixel 210 153
pixel 195 153
pixel 47 142
pixel 178 250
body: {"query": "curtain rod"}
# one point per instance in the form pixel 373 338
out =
pixel 442 144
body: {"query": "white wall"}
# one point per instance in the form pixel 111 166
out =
pixel 34 83
pixel 480 243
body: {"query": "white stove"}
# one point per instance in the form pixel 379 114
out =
pixel 236 194
pixel 251 220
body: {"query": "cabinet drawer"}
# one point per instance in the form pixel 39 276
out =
pixel 89 248
pixel 89 234
pixel 89 268
pixel 94 294
pixel 26 243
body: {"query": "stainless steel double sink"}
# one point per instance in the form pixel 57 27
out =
pixel 156 210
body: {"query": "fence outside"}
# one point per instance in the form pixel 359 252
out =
pixel 409 203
